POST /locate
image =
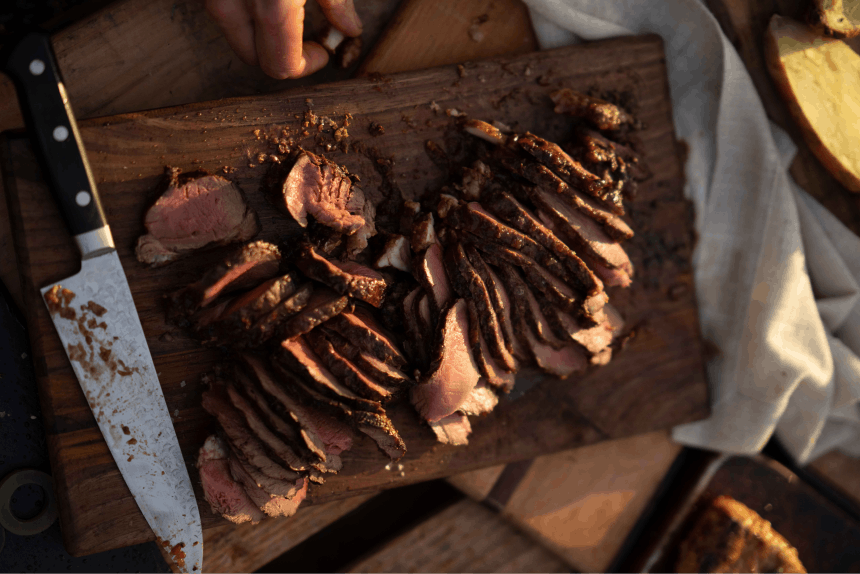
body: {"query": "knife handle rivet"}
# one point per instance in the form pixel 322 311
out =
pixel 61 133
pixel 37 66
pixel 83 198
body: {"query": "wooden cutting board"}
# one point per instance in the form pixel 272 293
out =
pixel 656 382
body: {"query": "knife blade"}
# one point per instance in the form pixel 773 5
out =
pixel 95 316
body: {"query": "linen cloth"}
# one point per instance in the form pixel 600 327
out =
pixel 777 276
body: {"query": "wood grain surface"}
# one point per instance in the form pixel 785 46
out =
pixel 656 382
pixel 426 34
pixel 465 537
pixel 583 503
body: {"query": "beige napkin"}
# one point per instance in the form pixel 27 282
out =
pixel 776 274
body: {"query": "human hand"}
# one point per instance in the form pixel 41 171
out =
pixel 268 33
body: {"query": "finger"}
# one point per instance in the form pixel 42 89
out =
pixel 278 28
pixel 314 58
pixel 342 15
pixel 234 19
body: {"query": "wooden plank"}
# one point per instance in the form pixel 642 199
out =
pixel 583 503
pixel 246 547
pixel 477 484
pixel 656 382
pixel 465 537
pixel 427 34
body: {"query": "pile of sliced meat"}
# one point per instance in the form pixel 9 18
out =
pixel 309 367
pixel 511 268
pixel 502 270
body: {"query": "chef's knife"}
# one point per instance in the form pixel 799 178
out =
pixel 95 316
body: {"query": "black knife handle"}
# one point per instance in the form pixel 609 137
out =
pixel 54 132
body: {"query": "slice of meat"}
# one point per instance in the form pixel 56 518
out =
pixel 493 290
pixel 446 203
pixel 347 278
pixel 382 431
pixel 216 403
pixel 521 218
pixel 346 371
pixel 453 429
pixel 204 321
pixel 610 277
pixel 357 242
pixel 567 328
pixel 271 505
pixel 414 341
pixel 326 437
pixel 192 215
pixel 477 221
pixel 538 277
pixel 323 305
pixel 255 422
pixel 408 212
pixel 600 149
pixel 423 233
pixel 481 401
pixel 425 316
pixel 390 311
pixel 322 189
pixel 254 479
pixel 248 266
pixel 506 319
pixel 224 495
pixel 485 131
pixel 581 232
pixel 559 362
pixel 268 325
pixel 530 309
pixel 556 159
pixel 246 309
pixel 303 362
pixel 600 113
pixel 395 253
pixel 605 215
pixel 376 369
pixel 493 373
pixel 361 328
pixel 453 371
pixel 429 270
pixel 469 285
pixel 474 181
pixel 281 423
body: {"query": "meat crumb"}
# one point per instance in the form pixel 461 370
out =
pixel 461 70
pixel 435 107
pixel 340 134
pixel 375 129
